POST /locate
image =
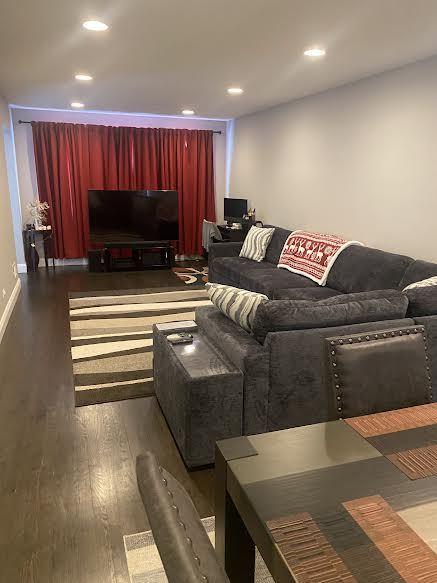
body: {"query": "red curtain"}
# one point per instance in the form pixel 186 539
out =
pixel 72 158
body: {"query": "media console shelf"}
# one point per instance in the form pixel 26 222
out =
pixel 140 251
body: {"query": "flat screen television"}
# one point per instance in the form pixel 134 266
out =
pixel 123 216
pixel 235 208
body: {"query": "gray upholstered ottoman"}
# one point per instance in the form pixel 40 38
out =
pixel 200 392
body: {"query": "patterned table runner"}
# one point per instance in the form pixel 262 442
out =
pixel 407 437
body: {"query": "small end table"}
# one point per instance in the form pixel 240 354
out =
pixel 30 238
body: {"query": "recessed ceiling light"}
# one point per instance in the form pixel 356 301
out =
pixel 77 104
pixel 315 52
pixel 95 25
pixel 83 77
pixel 188 112
pixel 235 90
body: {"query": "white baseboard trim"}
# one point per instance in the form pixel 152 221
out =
pixel 22 267
pixel 9 308
pixel 62 262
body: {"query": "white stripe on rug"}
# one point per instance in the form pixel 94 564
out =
pixel 138 298
pixel 127 322
pixel 130 308
pixel 89 350
pixel 117 384
pixel 97 336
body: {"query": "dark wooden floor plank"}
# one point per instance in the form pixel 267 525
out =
pixel 68 488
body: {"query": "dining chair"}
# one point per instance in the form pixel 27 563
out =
pixel 379 371
pixel 185 549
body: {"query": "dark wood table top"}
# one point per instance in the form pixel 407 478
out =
pixel 346 501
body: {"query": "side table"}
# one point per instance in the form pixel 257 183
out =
pixel 200 392
pixel 30 238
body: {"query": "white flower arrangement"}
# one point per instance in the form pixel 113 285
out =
pixel 38 212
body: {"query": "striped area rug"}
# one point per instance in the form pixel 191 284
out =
pixel 112 340
pixel 145 566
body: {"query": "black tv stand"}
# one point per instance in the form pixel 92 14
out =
pixel 140 250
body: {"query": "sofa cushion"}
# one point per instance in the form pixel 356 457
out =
pixel 277 243
pixel 362 269
pixel 417 271
pixel 389 294
pixel 266 281
pixel 280 315
pixel 306 293
pixel 231 268
pixel 256 242
pixel 239 305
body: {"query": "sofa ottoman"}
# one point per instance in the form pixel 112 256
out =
pixel 199 390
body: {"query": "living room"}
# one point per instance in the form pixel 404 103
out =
pixel 218 318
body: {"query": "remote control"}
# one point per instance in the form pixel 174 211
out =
pixel 180 338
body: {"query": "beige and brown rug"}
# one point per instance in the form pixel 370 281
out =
pixel 145 566
pixel 111 339
pixel 192 275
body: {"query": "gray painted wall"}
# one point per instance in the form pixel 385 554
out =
pixel 359 161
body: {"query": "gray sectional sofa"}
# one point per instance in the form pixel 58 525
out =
pixel 285 374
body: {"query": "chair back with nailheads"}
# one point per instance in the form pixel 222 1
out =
pixel 183 544
pixel 379 371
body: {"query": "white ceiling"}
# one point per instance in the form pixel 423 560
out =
pixel 160 56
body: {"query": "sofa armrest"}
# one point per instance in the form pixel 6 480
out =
pixel 248 355
pixel 299 391
pixel 231 249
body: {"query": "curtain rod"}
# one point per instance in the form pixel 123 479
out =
pixel 20 121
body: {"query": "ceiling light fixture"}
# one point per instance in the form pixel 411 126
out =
pixel 235 90
pixel 95 25
pixel 83 77
pixel 315 52
pixel 187 112
pixel 77 104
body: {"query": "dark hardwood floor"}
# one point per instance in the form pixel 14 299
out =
pixel 67 476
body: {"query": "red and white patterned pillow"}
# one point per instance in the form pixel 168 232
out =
pixel 312 254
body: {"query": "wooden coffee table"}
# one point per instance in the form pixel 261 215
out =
pixel 350 501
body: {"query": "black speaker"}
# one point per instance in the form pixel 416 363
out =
pixel 95 260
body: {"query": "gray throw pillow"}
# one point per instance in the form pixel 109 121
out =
pixel 239 305
pixel 283 315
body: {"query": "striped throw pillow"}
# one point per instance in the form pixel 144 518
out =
pixel 429 282
pixel 256 242
pixel 239 305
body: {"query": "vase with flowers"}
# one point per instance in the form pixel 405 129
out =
pixel 38 212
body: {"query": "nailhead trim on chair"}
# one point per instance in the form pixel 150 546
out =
pixel 376 336
pixel 182 525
